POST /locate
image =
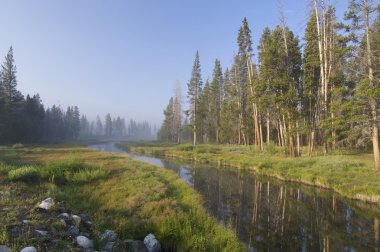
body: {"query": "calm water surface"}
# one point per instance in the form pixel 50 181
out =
pixel 271 215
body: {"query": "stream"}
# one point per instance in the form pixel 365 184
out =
pixel 273 215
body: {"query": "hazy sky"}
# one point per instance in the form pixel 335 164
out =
pixel 124 56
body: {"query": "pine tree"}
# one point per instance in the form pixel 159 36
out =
pixel 368 90
pixel 11 99
pixel 166 131
pixel 311 66
pixel 216 97
pixel 194 88
pixel 108 125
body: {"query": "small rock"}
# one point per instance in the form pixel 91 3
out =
pixel 135 246
pixel 29 249
pixel 88 224
pixel 73 231
pixel 76 219
pixel 26 222
pixel 41 232
pixel 63 222
pixel 108 235
pixel 46 204
pixel 85 217
pixel 84 242
pixel 65 216
pixel 5 249
pixel 108 247
pixel 151 243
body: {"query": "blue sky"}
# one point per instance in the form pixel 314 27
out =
pixel 124 56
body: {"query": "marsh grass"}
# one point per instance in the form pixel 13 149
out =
pixel 348 173
pixel 130 197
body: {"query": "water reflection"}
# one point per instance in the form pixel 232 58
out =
pixel 271 215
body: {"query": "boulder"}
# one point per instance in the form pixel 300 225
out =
pixel 4 248
pixel 28 249
pixel 84 242
pixel 26 222
pixel 46 204
pixel 151 243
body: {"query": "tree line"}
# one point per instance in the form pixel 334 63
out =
pixel 25 119
pixel 323 94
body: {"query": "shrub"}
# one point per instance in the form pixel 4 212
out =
pixel 25 173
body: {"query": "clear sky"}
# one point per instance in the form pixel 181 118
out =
pixel 123 57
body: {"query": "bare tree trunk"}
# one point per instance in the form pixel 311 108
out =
pixel 268 128
pixel 298 151
pixel 372 101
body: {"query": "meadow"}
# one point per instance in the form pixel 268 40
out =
pixel 127 196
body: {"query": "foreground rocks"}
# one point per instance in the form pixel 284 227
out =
pixel 55 228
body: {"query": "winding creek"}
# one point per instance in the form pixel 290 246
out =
pixel 272 215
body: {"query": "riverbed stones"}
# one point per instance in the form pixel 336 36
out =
pixel 84 242
pixel 46 204
pixel 108 235
pixel 151 243
pixel 76 219
pixel 4 248
pixel 73 231
pixel 28 249
pixel 64 216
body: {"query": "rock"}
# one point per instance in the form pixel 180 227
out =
pixel 76 219
pixel 63 222
pixel 108 247
pixel 65 216
pixel 108 235
pixel 84 242
pixel 73 231
pixel 85 217
pixel 5 249
pixel 29 249
pixel 135 246
pixel 41 232
pixel 151 243
pixel 26 222
pixel 46 204
pixel 88 224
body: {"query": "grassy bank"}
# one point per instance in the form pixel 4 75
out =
pixel 128 196
pixel 351 175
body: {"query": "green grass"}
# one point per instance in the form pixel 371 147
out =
pixel 130 197
pixel 348 173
